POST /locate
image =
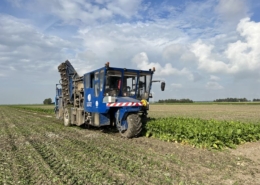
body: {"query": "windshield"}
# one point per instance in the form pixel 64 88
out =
pixel 144 86
pixel 127 86
pixel 113 83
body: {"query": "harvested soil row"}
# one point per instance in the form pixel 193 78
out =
pixel 62 155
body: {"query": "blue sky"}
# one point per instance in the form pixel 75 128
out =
pixel 203 49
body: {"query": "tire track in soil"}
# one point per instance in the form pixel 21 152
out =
pixel 51 160
pixel 151 171
pixel 174 172
pixel 49 134
pixel 8 148
pixel 92 154
pixel 5 157
pixel 144 159
pixel 24 161
pixel 100 158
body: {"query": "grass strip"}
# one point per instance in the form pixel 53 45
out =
pixel 35 109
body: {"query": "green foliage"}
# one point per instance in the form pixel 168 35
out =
pixel 231 100
pixel 47 101
pixel 203 133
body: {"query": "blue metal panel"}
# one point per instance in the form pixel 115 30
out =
pixel 91 102
pixel 104 119
pixel 57 97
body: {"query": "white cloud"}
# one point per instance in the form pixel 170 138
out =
pixel 214 86
pixel 240 56
pixel 118 43
pixel 214 78
pixel 83 12
pixel 232 10
pixel 23 48
pixel 176 85
pixel 142 62
pixel 177 53
pixel 187 44
pixel 125 8
pixel 205 59
pixel 84 62
pixel 244 54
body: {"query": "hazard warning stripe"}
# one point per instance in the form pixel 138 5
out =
pixel 124 104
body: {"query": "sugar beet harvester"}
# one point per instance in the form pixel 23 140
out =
pixel 106 96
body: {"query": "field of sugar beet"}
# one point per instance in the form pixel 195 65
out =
pixel 36 148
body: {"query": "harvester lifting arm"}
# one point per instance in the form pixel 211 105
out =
pixel 67 72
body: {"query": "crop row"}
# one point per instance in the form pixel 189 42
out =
pixel 20 164
pixel 73 158
pixel 194 131
pixel 36 149
pixel 97 155
pixel 35 109
pixel 203 133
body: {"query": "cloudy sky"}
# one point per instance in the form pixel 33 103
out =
pixel 203 49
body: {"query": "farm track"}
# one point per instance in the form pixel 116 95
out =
pixel 36 149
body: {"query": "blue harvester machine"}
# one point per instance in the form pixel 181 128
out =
pixel 106 96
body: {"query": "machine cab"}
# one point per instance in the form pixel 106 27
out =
pixel 128 83
pixel 115 85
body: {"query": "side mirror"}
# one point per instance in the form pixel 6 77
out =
pixel 162 86
pixel 150 95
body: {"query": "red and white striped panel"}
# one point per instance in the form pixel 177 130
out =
pixel 122 104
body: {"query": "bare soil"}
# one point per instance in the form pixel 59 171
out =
pixel 36 149
pixel 235 112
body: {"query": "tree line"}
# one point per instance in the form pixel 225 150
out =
pixel 235 100
pixel 232 100
pixel 217 100
pixel 175 101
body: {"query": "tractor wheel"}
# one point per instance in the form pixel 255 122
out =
pixel 67 117
pixel 134 126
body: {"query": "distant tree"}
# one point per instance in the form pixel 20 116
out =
pixel 256 99
pixel 175 101
pixel 47 101
pixel 231 100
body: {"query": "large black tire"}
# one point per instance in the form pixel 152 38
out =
pixel 67 117
pixel 134 126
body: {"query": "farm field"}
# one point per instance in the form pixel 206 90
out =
pixel 36 148
pixel 51 107
pixel 236 112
